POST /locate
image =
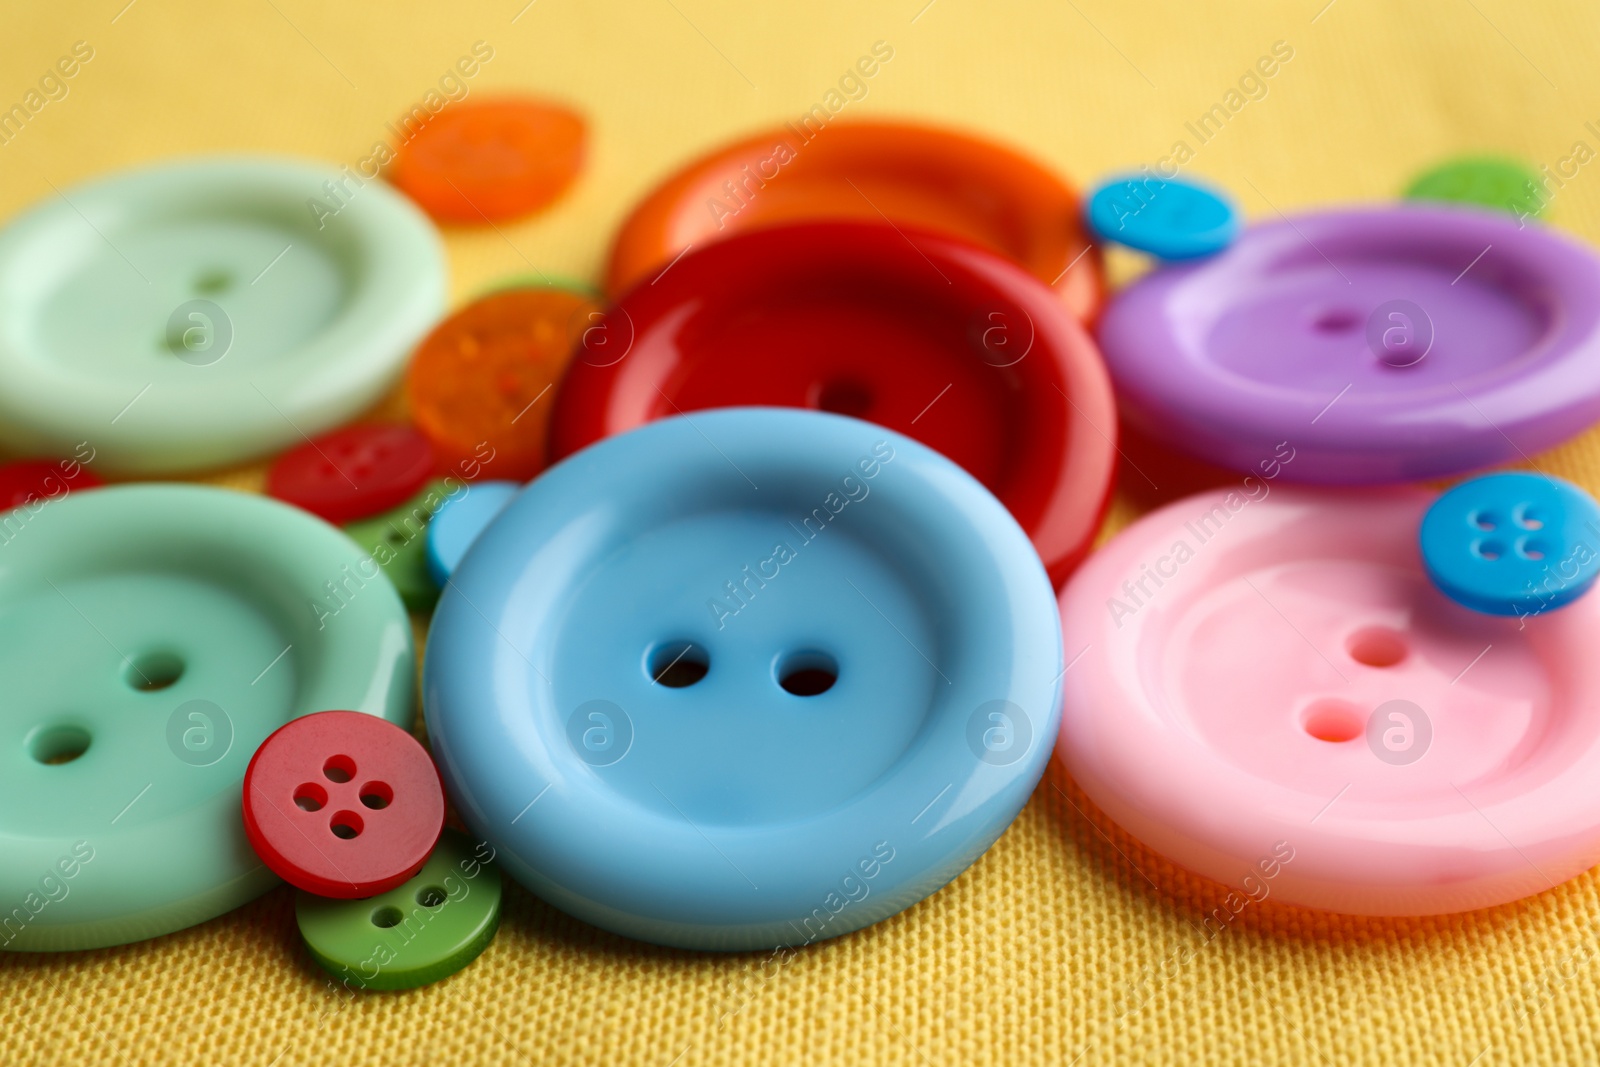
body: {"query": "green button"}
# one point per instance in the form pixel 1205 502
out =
pixel 397 541
pixel 1502 184
pixel 539 281
pixel 205 312
pixel 425 930
pixel 151 637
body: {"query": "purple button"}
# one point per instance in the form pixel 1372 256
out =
pixel 1382 345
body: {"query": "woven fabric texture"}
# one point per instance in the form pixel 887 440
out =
pixel 1068 942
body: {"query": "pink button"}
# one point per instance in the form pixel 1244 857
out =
pixel 1269 691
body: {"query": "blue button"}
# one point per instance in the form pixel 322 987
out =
pixel 747 678
pixel 1168 218
pixel 1513 543
pixel 458 522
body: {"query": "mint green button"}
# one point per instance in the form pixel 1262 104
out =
pixel 1488 181
pixel 425 930
pixel 151 637
pixel 201 313
pixel 397 541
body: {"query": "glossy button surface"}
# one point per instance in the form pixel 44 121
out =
pixel 150 638
pixel 419 932
pixel 353 472
pixel 916 176
pixel 923 333
pixel 749 678
pixel 397 542
pixel 1169 218
pixel 200 313
pixel 342 804
pixel 1386 344
pixel 1487 181
pixel 1512 543
pixel 459 522
pixel 1269 677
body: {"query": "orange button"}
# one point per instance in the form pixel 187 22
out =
pixel 498 159
pixel 480 384
pixel 911 175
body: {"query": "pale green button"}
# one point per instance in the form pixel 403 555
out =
pixel 202 313
pixel 151 637
pixel 427 929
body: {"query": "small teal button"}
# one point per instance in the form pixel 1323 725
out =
pixel 1513 543
pixel 459 520
pixel 750 678
pixel 1168 218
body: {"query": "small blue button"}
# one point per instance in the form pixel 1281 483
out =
pixel 458 522
pixel 1168 218
pixel 1513 543
pixel 747 678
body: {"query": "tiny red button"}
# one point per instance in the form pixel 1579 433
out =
pixel 34 480
pixel 343 804
pixel 355 472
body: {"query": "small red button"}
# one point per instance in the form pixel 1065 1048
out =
pixel 355 472
pixel 343 804
pixel 36 480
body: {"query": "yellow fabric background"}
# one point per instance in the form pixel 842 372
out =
pixel 1068 942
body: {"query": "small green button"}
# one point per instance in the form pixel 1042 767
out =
pixel 397 542
pixel 541 280
pixel 1488 181
pixel 425 930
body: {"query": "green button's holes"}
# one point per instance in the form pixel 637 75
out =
pixel 310 797
pixel 806 674
pixel 58 744
pixel 844 398
pixel 387 917
pixel 1335 721
pixel 377 795
pixel 431 896
pixel 676 664
pixel 345 825
pixel 153 671
pixel 339 768
pixel 213 281
pixel 1376 646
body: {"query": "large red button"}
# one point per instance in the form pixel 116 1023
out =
pixel 343 804
pixel 355 472
pixel 920 332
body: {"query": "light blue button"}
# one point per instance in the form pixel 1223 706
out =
pixel 458 522
pixel 1168 218
pixel 759 678
pixel 1512 543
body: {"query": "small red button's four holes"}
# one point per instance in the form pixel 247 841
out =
pixel 431 896
pixel 310 797
pixel 1376 646
pixel 346 825
pixel 339 768
pixel 377 795
pixel 1335 721
pixel 1490 550
pixel 387 917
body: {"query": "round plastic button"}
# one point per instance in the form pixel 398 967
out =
pixel 342 804
pixel 639 679
pixel 915 176
pixel 39 481
pixel 490 160
pixel 1502 184
pixel 1273 694
pixel 460 521
pixel 424 930
pixel 192 616
pixel 1381 345
pixel 922 333
pixel 200 313
pixel 1168 218
pixel 1513 543
pixel 481 386
pixel 397 542
pixel 354 472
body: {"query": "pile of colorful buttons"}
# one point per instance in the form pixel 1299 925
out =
pixel 761 586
